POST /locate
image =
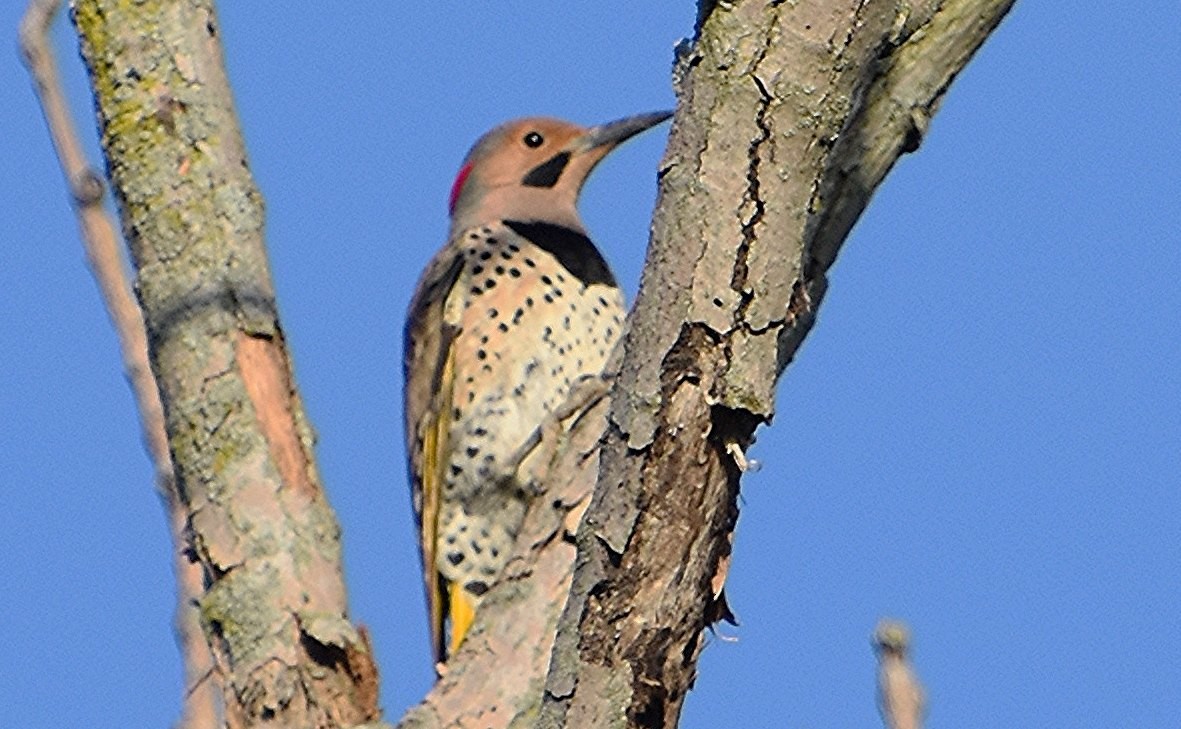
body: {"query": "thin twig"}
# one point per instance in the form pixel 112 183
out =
pixel 900 695
pixel 103 255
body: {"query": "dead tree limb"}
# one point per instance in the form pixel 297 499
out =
pixel 789 115
pixel 901 698
pixel 272 604
pixel 107 265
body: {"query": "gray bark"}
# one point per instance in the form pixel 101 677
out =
pixel 273 609
pixel 789 116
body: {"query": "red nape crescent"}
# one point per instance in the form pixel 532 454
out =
pixel 457 186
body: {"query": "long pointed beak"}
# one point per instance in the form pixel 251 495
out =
pixel 611 134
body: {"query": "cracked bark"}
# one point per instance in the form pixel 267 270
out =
pixel 106 262
pixel 273 606
pixel 813 102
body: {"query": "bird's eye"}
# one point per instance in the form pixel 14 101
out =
pixel 534 140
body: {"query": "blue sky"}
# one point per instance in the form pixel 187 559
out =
pixel 982 435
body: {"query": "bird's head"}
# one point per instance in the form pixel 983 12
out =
pixel 533 169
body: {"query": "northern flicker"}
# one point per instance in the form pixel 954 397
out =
pixel 514 309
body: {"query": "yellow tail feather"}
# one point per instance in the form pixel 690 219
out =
pixel 463 612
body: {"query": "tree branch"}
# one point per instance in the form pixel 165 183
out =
pixel 788 119
pixel 102 246
pixel 900 695
pixel 272 604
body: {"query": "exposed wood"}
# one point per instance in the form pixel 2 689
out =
pixel 901 698
pixel 789 115
pixel 103 254
pixel 272 605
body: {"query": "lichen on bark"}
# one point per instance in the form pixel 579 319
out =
pixel 274 609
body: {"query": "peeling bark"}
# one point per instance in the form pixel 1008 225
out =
pixel 273 607
pixel 789 116
pixel 104 256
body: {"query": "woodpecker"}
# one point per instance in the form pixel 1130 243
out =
pixel 509 314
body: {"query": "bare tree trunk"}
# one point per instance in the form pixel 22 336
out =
pixel 789 117
pixel 273 608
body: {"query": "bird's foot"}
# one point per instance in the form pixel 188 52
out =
pixel 530 463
